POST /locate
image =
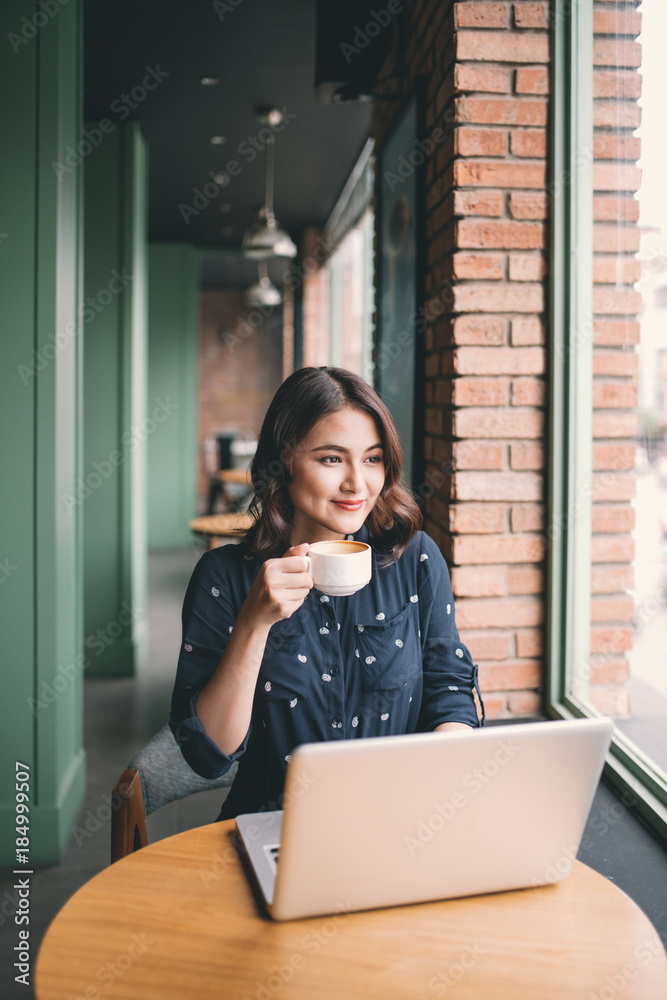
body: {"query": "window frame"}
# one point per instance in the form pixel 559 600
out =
pixel 627 769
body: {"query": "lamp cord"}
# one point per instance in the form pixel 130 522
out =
pixel 268 186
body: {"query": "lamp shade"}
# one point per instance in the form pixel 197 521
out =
pixel 264 238
pixel 263 292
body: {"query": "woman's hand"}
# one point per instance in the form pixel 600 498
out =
pixel 280 588
pixel 224 706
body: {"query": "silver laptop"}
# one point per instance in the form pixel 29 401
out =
pixel 405 819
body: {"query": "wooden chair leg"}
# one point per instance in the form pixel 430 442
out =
pixel 128 821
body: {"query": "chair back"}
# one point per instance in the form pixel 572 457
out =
pixel 156 775
pixel 128 822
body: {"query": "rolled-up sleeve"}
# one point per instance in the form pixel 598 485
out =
pixel 449 674
pixel 209 613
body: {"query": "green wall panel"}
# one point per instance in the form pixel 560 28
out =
pixel 173 340
pixel 112 491
pixel 40 390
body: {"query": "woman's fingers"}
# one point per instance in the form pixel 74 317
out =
pixel 299 550
pixel 290 570
pixel 291 564
pixel 294 560
pixel 289 601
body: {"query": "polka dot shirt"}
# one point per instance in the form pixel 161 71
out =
pixel 384 661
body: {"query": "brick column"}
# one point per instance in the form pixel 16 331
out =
pixel 490 347
pixel 315 279
pixel 484 385
pixel 288 330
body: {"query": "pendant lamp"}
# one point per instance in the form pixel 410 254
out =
pixel 263 292
pixel 264 238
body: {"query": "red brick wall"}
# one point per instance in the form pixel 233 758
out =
pixel 240 367
pixel 315 283
pixel 487 85
pixel 288 330
pixel 616 87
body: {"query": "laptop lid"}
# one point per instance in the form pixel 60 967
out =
pixel 402 819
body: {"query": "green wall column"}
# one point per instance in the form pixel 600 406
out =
pixel 173 346
pixel 41 590
pixel 119 419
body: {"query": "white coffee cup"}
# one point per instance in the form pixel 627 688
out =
pixel 340 567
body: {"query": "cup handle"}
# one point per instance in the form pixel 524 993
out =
pixel 310 564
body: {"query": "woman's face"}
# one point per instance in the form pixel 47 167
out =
pixel 337 475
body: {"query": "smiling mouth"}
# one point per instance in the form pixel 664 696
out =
pixel 349 505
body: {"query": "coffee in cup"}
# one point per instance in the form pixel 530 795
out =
pixel 340 567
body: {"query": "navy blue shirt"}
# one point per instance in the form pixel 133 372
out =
pixel 383 661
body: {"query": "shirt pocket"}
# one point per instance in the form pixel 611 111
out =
pixel 285 673
pixel 389 650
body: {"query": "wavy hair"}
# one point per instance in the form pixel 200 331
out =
pixel 304 398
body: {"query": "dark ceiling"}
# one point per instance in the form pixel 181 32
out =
pixel 263 53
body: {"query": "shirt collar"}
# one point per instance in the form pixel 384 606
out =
pixel 362 535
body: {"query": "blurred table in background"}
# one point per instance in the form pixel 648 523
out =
pixel 240 476
pixel 215 527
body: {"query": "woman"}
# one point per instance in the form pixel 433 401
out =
pixel 267 661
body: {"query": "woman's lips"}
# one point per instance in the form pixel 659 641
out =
pixel 357 505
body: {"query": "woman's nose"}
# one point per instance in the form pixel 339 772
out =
pixel 354 479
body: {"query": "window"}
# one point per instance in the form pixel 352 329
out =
pixel 608 599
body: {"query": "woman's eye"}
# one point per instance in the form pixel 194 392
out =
pixel 335 459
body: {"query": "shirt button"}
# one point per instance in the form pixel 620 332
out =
pixel 337 722
pixel 329 624
pixel 333 671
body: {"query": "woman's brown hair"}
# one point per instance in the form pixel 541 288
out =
pixel 304 398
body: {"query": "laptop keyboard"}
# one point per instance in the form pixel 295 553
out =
pixel 273 855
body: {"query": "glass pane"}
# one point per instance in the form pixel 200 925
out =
pixel 350 304
pixel 627 677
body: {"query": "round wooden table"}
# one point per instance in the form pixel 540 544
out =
pixel 218 526
pixel 178 919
